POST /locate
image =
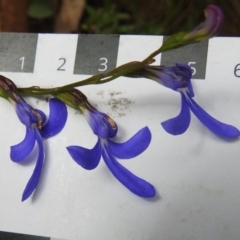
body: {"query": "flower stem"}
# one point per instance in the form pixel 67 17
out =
pixel 95 79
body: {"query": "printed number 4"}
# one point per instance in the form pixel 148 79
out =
pixel 193 68
pixel 103 64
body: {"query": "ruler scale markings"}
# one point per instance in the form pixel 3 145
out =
pixel 137 48
pixel 54 65
pixel 195 55
pixel 96 54
pixel 17 52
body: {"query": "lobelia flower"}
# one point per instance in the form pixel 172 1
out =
pixel 36 128
pixel 105 128
pixel 210 27
pixel 178 78
pixel 207 29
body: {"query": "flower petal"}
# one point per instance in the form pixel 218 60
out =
pixel 57 118
pixel 23 114
pixel 219 128
pixel 87 158
pixel 133 147
pixel 102 125
pixel 23 149
pixel 33 181
pixel 179 124
pixel 135 184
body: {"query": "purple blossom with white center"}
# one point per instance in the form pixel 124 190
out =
pixel 36 129
pixel 178 78
pixel 105 128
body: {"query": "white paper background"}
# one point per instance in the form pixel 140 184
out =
pixel 196 174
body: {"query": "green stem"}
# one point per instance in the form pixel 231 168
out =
pixel 172 42
pixel 96 79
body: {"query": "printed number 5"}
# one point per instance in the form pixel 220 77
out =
pixel 193 68
pixel 104 64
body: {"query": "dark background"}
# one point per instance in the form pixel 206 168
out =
pixel 155 17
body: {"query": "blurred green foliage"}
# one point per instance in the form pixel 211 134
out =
pixel 155 17
pixel 40 9
pixel 106 19
pixel 135 18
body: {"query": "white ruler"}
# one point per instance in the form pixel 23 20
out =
pixel 195 174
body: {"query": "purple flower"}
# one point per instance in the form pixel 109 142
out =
pixel 178 125
pixel 105 128
pixel 36 129
pixel 178 78
pixel 175 77
pixel 211 26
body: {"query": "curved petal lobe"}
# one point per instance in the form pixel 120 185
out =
pixel 135 184
pixel 33 181
pixel 133 147
pixel 87 158
pixel 179 124
pixel 217 127
pixel 57 118
pixel 23 149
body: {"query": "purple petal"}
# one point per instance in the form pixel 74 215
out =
pixel 214 19
pixel 219 128
pixel 190 90
pixel 57 118
pixel 33 181
pixel 28 115
pixel 23 149
pixel 135 184
pixel 102 125
pixel 179 124
pixel 23 115
pixel 133 147
pixel 87 158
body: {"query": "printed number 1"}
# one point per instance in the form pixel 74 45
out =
pixel 22 59
pixel 104 64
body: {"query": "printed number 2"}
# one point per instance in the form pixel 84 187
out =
pixel 193 68
pixel 22 59
pixel 60 68
pixel 104 64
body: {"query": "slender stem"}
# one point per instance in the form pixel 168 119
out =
pixel 172 42
pixel 96 79
pixel 152 55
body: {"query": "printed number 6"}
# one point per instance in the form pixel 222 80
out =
pixel 104 64
pixel 236 69
pixel 193 68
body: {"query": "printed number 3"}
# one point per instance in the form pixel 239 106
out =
pixel 103 64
